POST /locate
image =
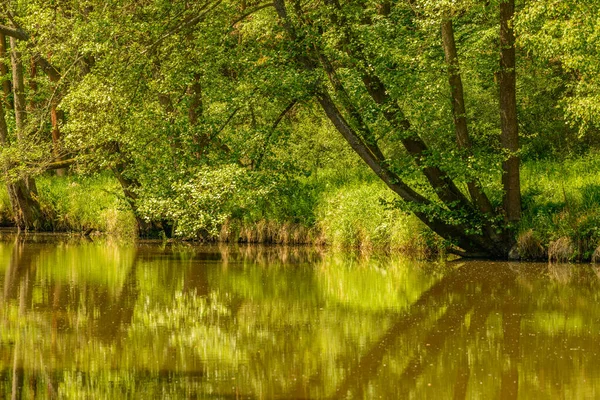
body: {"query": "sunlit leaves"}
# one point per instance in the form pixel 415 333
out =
pixel 566 33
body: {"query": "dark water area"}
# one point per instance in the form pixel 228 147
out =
pixel 96 320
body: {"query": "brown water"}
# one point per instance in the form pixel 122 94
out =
pixel 88 320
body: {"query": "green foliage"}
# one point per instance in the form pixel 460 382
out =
pixel 208 116
pixel 92 203
pixel 355 215
pixel 562 199
pixel 199 206
pixel 565 35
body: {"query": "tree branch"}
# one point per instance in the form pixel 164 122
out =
pixel 272 130
pixel 226 123
pixel 17 33
pixel 20 34
pixel 49 69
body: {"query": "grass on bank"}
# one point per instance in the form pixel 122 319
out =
pixel 80 204
pixel 561 212
pixel 561 201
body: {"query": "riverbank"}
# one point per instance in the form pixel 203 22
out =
pixel 349 209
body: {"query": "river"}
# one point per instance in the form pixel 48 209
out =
pixel 98 320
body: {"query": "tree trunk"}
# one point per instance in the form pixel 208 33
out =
pixel 508 113
pixel 195 111
pixel 463 140
pixel 6 86
pixel 23 191
pixel 55 117
pixel 196 106
pixel 459 110
pixel 20 105
pixel 26 210
pixel 18 89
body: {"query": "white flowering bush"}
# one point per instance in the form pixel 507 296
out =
pixel 198 206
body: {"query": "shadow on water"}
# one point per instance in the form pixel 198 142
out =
pixel 96 320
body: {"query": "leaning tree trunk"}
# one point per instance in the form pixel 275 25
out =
pixel 361 139
pixel 508 113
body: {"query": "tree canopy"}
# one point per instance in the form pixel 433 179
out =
pixel 188 102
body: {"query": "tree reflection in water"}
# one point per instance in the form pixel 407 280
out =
pixel 95 320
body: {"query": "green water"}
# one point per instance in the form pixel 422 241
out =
pixel 89 320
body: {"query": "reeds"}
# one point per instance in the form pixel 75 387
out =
pixel 561 250
pixel 268 232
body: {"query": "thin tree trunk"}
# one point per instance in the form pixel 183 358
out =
pixel 195 111
pixel 459 110
pixel 6 86
pixel 196 106
pixel 24 192
pixel 263 152
pixel 20 105
pixel 508 113
pixel 18 89
pixel 56 116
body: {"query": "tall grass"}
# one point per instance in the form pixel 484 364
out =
pixel 80 204
pixel 356 215
pixel 561 207
pixel 90 203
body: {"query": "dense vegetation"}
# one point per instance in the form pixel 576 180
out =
pixel 416 124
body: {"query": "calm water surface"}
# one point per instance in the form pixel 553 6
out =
pixel 95 320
